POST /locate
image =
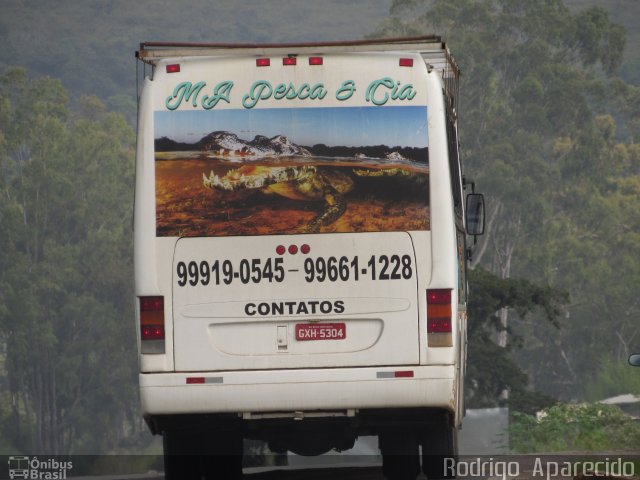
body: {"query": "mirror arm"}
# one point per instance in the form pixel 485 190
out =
pixel 468 181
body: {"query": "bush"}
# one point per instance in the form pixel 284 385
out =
pixel 587 427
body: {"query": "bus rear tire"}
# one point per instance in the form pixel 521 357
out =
pixel 180 459
pixel 190 455
pixel 440 449
pixel 223 458
pixel 400 459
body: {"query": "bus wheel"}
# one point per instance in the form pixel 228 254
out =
pixel 400 460
pixel 223 457
pixel 181 460
pixel 194 455
pixel 439 450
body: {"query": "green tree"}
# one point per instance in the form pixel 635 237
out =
pixel 536 136
pixel 612 379
pixel 66 178
pixel 491 369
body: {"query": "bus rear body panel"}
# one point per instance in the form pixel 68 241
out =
pixel 292 215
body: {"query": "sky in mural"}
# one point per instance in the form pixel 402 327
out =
pixel 333 126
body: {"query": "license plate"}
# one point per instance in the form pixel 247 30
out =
pixel 321 331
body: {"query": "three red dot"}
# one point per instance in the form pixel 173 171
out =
pixel 293 249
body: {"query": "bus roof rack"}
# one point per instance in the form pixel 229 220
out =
pixel 432 48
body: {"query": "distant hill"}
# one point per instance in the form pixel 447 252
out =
pixel 90 44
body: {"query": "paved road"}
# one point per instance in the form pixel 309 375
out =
pixel 275 473
pixel 352 473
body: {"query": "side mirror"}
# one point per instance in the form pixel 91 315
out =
pixel 635 360
pixel 475 214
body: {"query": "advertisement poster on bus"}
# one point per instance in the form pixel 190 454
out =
pixel 239 172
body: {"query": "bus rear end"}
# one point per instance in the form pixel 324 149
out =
pixel 299 259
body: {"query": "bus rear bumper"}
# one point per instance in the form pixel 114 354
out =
pixel 304 390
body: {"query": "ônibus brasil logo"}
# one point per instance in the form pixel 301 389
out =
pixel 36 469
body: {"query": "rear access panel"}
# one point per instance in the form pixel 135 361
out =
pixel 329 300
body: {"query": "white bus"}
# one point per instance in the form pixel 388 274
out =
pixel 300 251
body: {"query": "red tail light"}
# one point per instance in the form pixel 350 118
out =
pixel 173 68
pixel 439 325
pixel 152 304
pixel 438 296
pixel 316 60
pixel 289 61
pixel 406 62
pixel 152 318
pixel 439 311
pixel 152 332
pixel 263 62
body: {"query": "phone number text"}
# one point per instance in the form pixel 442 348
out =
pixel 319 269
pixel 379 267
pixel 219 272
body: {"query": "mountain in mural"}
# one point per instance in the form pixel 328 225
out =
pixel 224 143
